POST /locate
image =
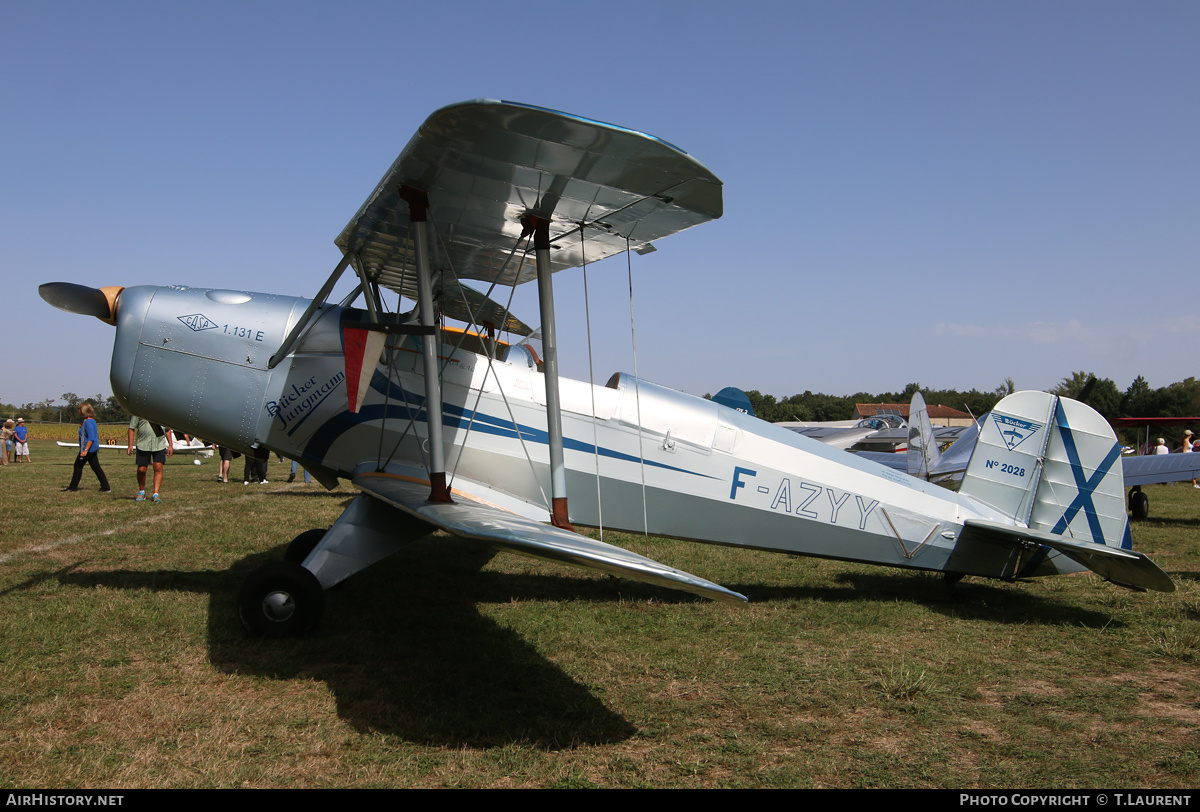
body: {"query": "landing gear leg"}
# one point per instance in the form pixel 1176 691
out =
pixel 302 545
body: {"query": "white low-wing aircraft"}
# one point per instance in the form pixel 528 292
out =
pixel 481 438
pixel 179 445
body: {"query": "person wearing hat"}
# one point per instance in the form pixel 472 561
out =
pixel 21 436
pixel 1189 445
pixel 6 441
pixel 1161 448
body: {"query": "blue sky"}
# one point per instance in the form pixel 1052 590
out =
pixel 944 192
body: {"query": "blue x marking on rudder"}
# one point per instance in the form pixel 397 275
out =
pixel 1083 499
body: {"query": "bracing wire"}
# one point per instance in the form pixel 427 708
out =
pixel 587 313
pixel 637 395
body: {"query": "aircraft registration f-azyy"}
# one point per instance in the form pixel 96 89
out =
pixel 464 432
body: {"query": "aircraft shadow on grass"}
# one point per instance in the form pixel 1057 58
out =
pixel 410 654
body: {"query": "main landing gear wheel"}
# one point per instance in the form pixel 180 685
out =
pixel 281 599
pixel 302 545
pixel 1139 504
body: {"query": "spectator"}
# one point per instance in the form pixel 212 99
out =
pixel 89 447
pixel 154 444
pixel 21 436
pixel 6 441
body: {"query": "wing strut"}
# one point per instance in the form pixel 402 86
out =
pixel 558 469
pixel 294 336
pixel 369 294
pixel 418 207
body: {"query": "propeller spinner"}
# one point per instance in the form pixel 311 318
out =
pixel 82 300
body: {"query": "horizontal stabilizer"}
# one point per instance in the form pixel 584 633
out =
pixel 470 518
pixel 1123 567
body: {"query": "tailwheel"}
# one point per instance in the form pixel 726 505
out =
pixel 280 599
pixel 1139 504
pixel 302 545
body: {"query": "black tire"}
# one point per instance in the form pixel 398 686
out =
pixel 302 545
pixel 281 599
pixel 1139 505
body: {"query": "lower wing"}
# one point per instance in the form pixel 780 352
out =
pixel 476 516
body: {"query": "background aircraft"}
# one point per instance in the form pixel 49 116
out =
pixel 881 432
pixel 179 445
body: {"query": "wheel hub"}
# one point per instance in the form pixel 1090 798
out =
pixel 278 606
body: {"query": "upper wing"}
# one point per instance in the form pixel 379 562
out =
pixel 486 164
pixel 895 461
pixel 179 445
pixel 1156 468
pixel 835 436
pixel 472 517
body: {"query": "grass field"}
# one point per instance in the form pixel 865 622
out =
pixel 123 665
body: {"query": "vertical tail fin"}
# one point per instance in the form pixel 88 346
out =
pixel 1052 464
pixel 923 452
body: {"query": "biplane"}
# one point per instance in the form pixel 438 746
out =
pixel 472 430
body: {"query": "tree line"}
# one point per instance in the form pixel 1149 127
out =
pixel 108 409
pixel 1180 399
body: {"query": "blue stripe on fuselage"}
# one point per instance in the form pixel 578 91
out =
pixel 405 405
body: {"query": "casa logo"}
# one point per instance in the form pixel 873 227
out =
pixel 198 322
pixel 1013 430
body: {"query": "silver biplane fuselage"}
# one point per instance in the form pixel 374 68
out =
pixel 197 359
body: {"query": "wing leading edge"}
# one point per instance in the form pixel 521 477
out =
pixel 470 518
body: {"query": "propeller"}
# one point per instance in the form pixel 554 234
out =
pixel 82 300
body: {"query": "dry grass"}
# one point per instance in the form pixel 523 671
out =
pixel 122 664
